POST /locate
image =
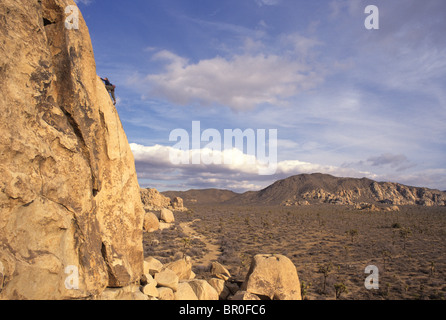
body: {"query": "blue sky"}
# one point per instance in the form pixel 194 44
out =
pixel 345 100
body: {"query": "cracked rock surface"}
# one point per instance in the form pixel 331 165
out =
pixel 69 195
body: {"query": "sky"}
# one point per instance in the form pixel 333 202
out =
pixel 345 100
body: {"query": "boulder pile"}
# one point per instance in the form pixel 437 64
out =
pixel 271 277
pixel 153 200
pixel 368 207
pixel 158 220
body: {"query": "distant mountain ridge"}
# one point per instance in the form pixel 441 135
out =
pixel 204 196
pixel 317 188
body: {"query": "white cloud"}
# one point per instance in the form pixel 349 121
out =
pixel 161 155
pixel 241 82
pixel 154 163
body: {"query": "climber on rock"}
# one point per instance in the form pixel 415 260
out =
pixel 110 88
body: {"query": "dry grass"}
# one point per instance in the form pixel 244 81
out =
pixel 408 247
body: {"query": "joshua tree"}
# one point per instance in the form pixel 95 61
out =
pixel 404 234
pixel 386 255
pixel 304 286
pixel 340 288
pixel 319 220
pixel 220 224
pixel 186 245
pixel 325 270
pixel 432 268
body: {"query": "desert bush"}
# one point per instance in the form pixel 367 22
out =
pixel 304 286
pixel 352 233
pixel 340 288
pixel 396 225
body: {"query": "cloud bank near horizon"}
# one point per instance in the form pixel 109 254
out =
pixel 153 164
pixel 242 175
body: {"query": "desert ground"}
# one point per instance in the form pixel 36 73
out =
pixel 330 245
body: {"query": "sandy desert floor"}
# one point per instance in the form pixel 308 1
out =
pixel 407 247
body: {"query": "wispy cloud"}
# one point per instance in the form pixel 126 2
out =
pixel 241 81
pixel 393 160
pixel 397 162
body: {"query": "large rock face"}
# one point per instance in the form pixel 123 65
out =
pixel 69 196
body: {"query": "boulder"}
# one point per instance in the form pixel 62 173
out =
pixel 69 193
pixel 243 295
pixel 185 292
pixel 165 294
pixel 219 271
pixel 150 289
pixel 152 266
pixel 167 216
pixel 164 226
pixel 182 267
pixel 273 277
pixel 203 289
pixel 167 278
pixel 177 203
pixel 151 222
pixel 219 286
pixel 154 200
pixel 131 292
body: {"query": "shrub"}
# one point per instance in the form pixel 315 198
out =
pixel 396 225
pixel 340 288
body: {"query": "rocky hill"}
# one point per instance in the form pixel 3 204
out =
pixel 307 189
pixel 323 188
pixel 70 201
